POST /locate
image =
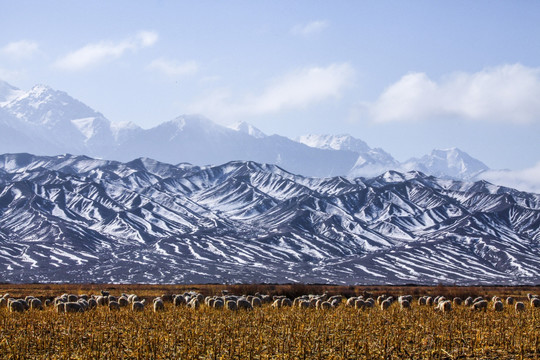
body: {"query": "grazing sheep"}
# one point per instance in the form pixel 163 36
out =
pixel 244 304
pixel 112 298
pixel 16 306
pixel 231 305
pixel 498 306
pixel 123 301
pixel 159 305
pixel 101 300
pixel 405 304
pixel 359 304
pixel 167 298
pixel 138 306
pixel 200 298
pixel 83 303
pixel 60 307
pixel 48 302
pixel 325 305
pixel 114 306
pixel 92 303
pixel 276 303
pixel 469 301
pixel 429 301
pixel 385 304
pixel 72 307
pixel 445 306
pixel 36 304
pixel 535 302
pixel 422 301
pixel 480 305
pixel 84 297
pixel 133 298
pixel 286 302
pixel 519 306
pixel 72 298
pixel 457 301
pixel 218 304
pixel 256 302
pixel 105 293
pixel 478 299
pixel 3 302
pixel 370 302
pixel 351 301
pixel 194 303
pixel 179 300
pixel 510 300
pixel 380 299
pixel 304 304
pixel 266 299
pixel 441 299
pixel 529 296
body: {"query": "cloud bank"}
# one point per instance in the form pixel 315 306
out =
pixel 507 93
pixel 95 53
pixel 18 50
pixel 298 89
pixel 524 180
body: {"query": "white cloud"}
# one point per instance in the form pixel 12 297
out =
pixel 23 49
pixel 174 68
pixel 524 180
pixel 313 27
pixel 295 90
pixel 508 93
pixel 102 51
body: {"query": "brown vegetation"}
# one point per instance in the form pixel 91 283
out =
pixel 420 332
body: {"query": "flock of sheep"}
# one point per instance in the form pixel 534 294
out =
pixel 69 303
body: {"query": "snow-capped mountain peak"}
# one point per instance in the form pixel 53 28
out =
pixel 247 128
pixel 334 142
pixel 451 162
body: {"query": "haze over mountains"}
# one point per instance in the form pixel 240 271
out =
pixel 49 122
pixel 78 219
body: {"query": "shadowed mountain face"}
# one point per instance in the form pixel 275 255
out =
pixel 74 218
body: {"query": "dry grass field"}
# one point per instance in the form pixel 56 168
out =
pixel 266 332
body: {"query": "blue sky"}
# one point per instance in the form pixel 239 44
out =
pixel 405 76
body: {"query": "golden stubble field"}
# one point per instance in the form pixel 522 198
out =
pixel 271 333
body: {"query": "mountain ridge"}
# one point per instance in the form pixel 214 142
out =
pixel 80 219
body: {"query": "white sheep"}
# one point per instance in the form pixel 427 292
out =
pixel 72 307
pixel 218 304
pixel 445 306
pixel 405 304
pixel 385 304
pixel 509 300
pixel 535 302
pixel 244 304
pixel 16 306
pixel 114 306
pixel 469 301
pixel 457 301
pixel 256 302
pixel 480 305
pixel 138 306
pixel 519 307
pixel 231 305
pixel 498 306
pixel 286 302
pixel 194 303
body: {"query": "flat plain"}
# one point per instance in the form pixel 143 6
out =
pixel 267 332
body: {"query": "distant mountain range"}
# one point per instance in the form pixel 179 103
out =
pixel 79 219
pixel 49 122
